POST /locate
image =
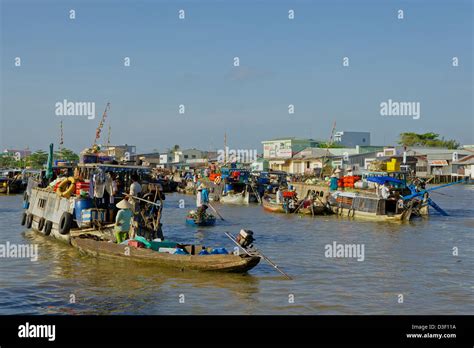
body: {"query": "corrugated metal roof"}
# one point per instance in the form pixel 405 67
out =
pixel 312 152
pixel 467 160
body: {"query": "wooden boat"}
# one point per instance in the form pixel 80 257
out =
pixel 315 209
pixel 273 206
pixel 11 182
pixel 216 263
pixel 351 204
pixel 242 198
pixel 209 220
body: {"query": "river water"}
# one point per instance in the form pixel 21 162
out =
pixel 413 262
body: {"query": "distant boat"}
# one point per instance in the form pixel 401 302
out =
pixel 352 204
pixel 273 207
pixel 209 220
pixel 242 198
pixel 11 181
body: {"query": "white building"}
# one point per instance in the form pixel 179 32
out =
pixel 352 139
pixel 119 152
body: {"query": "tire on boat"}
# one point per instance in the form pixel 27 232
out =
pixel 48 226
pixel 65 223
pixel 41 224
pixel 29 221
pixel 23 219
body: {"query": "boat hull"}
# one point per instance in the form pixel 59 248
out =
pixel 208 263
pixel 273 207
pixel 317 210
pixel 208 222
pixel 405 216
pixel 242 198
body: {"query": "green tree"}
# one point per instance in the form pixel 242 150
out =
pixel 67 155
pixel 7 161
pixel 426 139
pixel 326 145
pixel 37 159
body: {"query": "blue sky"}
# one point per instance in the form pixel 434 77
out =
pixel 190 62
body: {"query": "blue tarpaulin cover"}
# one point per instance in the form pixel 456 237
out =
pixel 382 179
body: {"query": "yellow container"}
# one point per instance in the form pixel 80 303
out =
pixel 393 165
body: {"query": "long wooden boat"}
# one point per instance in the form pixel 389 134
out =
pixel 217 263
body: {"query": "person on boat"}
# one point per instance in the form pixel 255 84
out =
pixel 111 189
pixel 135 190
pixel 122 220
pixel 279 196
pixel 333 182
pixel 385 190
pixel 202 201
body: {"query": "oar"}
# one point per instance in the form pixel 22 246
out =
pixel 144 200
pixel 257 253
pixel 299 206
pixel 215 211
pixel 302 202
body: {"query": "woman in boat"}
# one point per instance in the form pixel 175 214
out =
pixel 122 221
pixel 333 183
pixel 202 200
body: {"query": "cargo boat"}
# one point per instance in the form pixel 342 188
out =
pixel 353 204
pixel 50 214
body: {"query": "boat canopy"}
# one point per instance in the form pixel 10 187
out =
pixel 383 179
pixel 116 168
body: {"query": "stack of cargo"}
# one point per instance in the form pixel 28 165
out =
pixel 348 181
pixel 82 187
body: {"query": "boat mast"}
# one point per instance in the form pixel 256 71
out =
pixel 108 135
pixel 61 136
pixel 101 124
pixel 225 148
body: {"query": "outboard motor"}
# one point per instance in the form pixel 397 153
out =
pixel 245 238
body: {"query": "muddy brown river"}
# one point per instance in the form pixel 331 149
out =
pixel 421 267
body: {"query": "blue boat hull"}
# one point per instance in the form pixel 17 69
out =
pixel 208 222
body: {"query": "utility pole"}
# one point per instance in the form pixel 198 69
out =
pixel 329 143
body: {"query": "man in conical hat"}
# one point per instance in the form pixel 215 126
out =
pixel 122 220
